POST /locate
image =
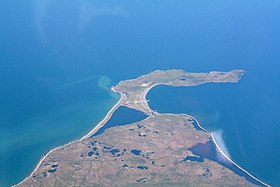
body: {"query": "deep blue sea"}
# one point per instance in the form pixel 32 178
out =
pixel 58 60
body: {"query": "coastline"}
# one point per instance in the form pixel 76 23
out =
pixel 218 147
pixel 41 160
pixel 216 144
pixel 99 125
pixel 214 140
pixel 105 119
pixel 145 101
pixel 198 124
pixel 220 150
pixel 150 112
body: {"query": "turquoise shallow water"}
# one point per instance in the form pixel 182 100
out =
pixel 26 140
pixel 53 54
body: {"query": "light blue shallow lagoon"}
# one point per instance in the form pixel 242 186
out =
pixel 58 60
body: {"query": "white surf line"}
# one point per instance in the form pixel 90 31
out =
pixel 109 115
pixel 100 124
pixel 214 140
pixel 105 119
pixel 144 95
pixel 231 161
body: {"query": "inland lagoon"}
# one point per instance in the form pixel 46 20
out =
pixel 230 112
pixel 122 116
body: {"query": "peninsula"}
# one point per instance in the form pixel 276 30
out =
pixel 161 150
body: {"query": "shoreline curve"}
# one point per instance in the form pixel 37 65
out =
pixel 221 151
pixel 96 128
pixel 218 147
pixel 109 115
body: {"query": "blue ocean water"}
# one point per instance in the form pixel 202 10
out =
pixel 57 59
pixel 244 117
pixel 33 127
